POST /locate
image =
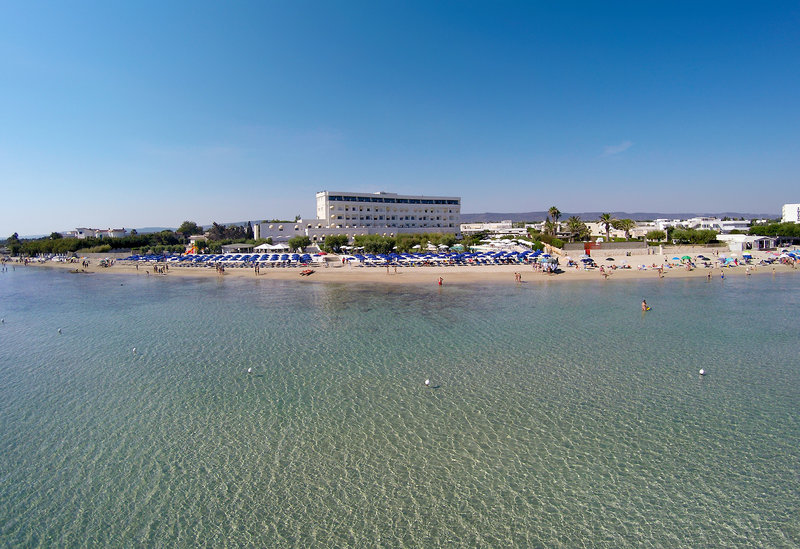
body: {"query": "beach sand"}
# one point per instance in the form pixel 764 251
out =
pixel 501 274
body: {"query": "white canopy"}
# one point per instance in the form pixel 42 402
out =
pixel 269 247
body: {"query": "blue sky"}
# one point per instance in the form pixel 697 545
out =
pixel 149 113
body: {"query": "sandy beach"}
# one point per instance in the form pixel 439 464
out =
pixel 500 274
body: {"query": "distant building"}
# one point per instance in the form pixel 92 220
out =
pixel 743 242
pixel 790 213
pixel 704 223
pixel 498 228
pixel 84 232
pixel 395 212
pixel 382 213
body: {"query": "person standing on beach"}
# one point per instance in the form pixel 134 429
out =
pixel 440 280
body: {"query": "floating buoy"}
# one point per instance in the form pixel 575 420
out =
pixel 427 383
pixel 59 330
pixel 249 370
pixel 702 372
pixel 134 350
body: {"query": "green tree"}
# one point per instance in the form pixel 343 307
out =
pixel 375 244
pixel 13 244
pixel 55 236
pixel 577 228
pixel 216 232
pixel 299 242
pixel 607 220
pixel 693 236
pixel 625 225
pixel 554 214
pixel 656 235
pixel 333 243
pixel 249 235
pixel 448 240
pixel 200 245
pixel 188 228
pixel 789 229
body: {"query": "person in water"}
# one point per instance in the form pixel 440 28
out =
pixel 644 305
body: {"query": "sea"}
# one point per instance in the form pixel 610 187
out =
pixel 558 413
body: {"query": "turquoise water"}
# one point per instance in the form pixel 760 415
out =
pixel 560 416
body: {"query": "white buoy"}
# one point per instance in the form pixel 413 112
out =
pixel 702 372
pixel 249 370
pixel 427 383
pixel 134 350
pixel 59 330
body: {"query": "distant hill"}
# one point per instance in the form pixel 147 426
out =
pixel 148 230
pixel 593 216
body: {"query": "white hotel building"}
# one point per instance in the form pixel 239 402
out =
pixel 382 210
pixel 386 214
pixel 790 213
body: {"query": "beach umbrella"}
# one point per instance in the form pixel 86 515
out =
pixel 686 258
pixel 609 259
pixel 676 258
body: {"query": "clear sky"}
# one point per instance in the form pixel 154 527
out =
pixel 150 113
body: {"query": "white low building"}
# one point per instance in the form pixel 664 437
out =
pixel 85 232
pixel 499 228
pixel 744 242
pixel 722 226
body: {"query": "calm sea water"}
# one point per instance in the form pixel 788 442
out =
pixel 559 414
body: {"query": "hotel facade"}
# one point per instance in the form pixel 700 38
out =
pixel 382 213
pixel 382 210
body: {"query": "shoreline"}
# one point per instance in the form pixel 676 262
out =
pixel 499 274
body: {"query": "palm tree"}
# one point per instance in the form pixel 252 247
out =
pixel 625 225
pixel 575 226
pixel 607 220
pixel 554 214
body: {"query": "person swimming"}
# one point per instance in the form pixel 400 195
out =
pixel 644 305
